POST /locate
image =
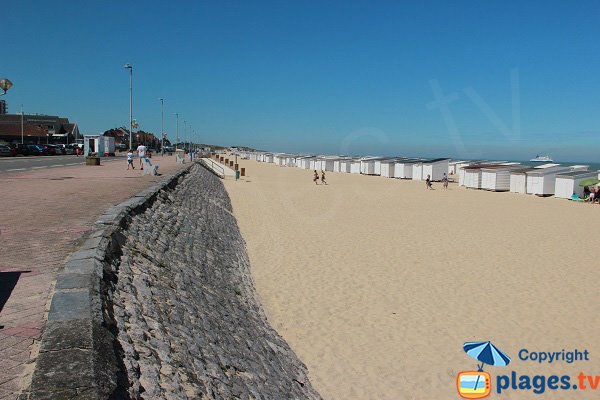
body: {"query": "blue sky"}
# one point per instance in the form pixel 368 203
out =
pixel 320 77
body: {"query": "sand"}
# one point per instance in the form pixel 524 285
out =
pixel 376 283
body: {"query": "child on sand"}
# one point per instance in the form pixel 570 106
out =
pixel 323 177
pixel 445 181
pixel 428 182
pixel 316 178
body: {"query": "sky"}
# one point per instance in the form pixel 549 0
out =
pixel 461 79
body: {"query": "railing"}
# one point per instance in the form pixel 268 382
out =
pixel 214 165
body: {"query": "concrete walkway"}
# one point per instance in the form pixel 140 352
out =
pixel 44 215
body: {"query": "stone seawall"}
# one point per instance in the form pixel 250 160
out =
pixel 159 303
pixel 189 323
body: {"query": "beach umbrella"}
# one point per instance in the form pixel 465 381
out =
pixel 589 182
pixel 487 353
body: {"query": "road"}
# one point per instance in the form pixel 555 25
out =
pixel 16 164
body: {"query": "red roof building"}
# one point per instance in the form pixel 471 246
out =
pixel 15 128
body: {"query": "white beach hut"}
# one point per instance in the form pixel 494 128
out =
pixel 452 166
pixel 268 157
pixel 388 168
pixel 345 165
pixel 304 162
pixel 417 171
pixel 518 180
pixel 541 181
pixel 355 167
pixel 498 178
pixel 435 168
pixel 403 169
pixel 279 159
pixel 472 175
pixel 367 165
pixel 567 183
pixel 326 164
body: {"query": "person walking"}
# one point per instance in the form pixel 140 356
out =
pixel 323 177
pixel 77 150
pixel 130 160
pixel 428 182
pixel 316 178
pixel 445 181
pixel 141 149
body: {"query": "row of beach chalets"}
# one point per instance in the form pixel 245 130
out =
pixel 551 179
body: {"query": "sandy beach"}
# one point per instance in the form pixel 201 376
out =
pixel 376 283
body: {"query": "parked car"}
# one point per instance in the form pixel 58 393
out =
pixel 21 149
pixel 169 149
pixel 69 149
pixel 38 150
pixel 52 149
pixel 6 151
pixel 60 149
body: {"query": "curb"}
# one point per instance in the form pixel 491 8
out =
pixel 78 354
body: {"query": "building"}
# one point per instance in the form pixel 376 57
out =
pixel 37 129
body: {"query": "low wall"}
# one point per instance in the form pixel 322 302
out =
pixel 159 303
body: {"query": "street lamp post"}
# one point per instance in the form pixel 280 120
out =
pixel 184 134
pixel 22 136
pixel 5 84
pixel 162 125
pixel 130 68
pixel 177 130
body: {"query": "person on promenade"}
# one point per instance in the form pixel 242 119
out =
pixel 130 160
pixel 141 149
pixel 316 178
pixel 323 177
pixel 77 150
pixel 428 182
pixel 445 181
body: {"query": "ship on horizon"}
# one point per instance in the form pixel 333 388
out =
pixel 539 158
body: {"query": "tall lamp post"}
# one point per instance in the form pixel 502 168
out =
pixel 130 68
pixel 162 125
pixel 22 136
pixel 177 130
pixel 184 134
pixel 5 84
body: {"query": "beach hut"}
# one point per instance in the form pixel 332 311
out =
pixel 498 178
pixel 567 183
pixel 452 166
pixel 472 176
pixel 337 164
pixel 541 181
pixel 417 171
pixel 269 157
pixel 326 164
pixel 388 168
pixel 304 162
pixel 345 165
pixel 279 159
pixel 403 169
pixel 367 165
pixel 355 167
pixel 518 180
pixel 435 168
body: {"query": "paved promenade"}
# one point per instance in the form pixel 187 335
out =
pixel 43 216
